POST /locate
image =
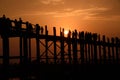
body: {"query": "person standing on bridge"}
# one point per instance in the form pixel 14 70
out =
pixel 69 34
pixel 8 26
pixel 18 25
pixel 37 29
pixel 75 34
pixel 29 27
pixel 41 30
pixel 2 24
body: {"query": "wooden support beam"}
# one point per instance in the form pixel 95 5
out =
pixel 74 46
pixel 104 49
pixel 113 51
pixel 25 48
pixel 95 48
pixel 109 52
pixel 5 41
pixel 54 41
pixel 21 50
pixel 89 49
pixel 81 39
pixel 99 44
pixel 30 50
pixel 69 47
pixel 46 46
pixel 117 53
pixel 62 46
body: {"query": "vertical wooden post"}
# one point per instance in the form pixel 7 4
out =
pixel 29 50
pixel 5 57
pixel 117 55
pixel 109 55
pixel 25 46
pixel 5 40
pixel 95 47
pixel 81 39
pixel 55 56
pixel 62 46
pixel 69 47
pixel 113 54
pixel 21 50
pixel 104 49
pixel 86 41
pixel 92 56
pixel 89 43
pixel 74 45
pixel 37 48
pixel 46 42
pixel 100 57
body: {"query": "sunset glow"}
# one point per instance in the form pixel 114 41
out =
pixel 66 32
pixel 58 39
pixel 96 16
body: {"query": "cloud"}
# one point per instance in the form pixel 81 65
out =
pixel 69 12
pixel 92 13
pixel 54 2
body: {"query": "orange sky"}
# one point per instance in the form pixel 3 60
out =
pixel 100 16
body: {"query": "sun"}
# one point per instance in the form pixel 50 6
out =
pixel 66 32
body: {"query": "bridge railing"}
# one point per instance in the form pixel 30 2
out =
pixel 83 47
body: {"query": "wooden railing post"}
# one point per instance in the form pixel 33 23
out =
pixel 109 53
pixel 99 43
pixel 46 42
pixel 37 43
pixel 74 45
pixel 85 52
pixel 89 43
pixel 5 40
pixel 117 55
pixel 113 53
pixel 81 39
pixel 104 50
pixel 69 47
pixel 21 50
pixel 55 55
pixel 62 46
pixel 95 48
pixel 25 46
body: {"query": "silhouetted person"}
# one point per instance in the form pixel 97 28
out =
pixel 27 24
pixel 8 25
pixel 29 28
pixel 20 23
pixel 37 28
pixel 16 25
pixel 2 24
pixel 69 34
pixel 41 29
pixel 75 34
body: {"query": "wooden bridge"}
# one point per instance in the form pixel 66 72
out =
pixel 75 48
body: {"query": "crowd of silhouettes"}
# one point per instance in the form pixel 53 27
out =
pixel 6 26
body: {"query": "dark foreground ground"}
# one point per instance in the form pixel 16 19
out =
pixel 59 72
